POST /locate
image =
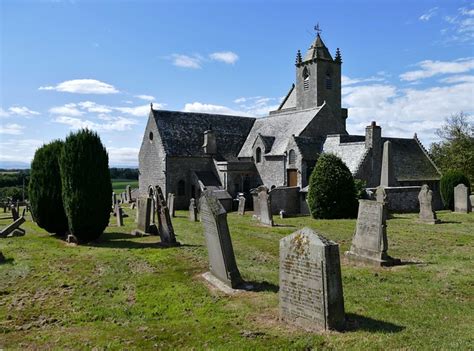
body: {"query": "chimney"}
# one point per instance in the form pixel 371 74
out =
pixel 373 136
pixel 210 145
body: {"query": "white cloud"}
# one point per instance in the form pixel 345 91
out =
pixel 145 97
pixel 187 61
pixel 123 155
pixel 139 111
pixel 83 86
pixel 18 150
pixel 22 111
pixel 94 107
pixel 66 110
pixel 430 13
pixel 11 129
pixel 346 81
pixel 460 26
pixel 228 57
pixel 113 123
pixel 3 113
pixel 431 68
pixel 209 108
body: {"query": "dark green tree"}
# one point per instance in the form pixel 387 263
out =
pixel 86 185
pixel 447 183
pixel 331 192
pixel 455 151
pixel 44 190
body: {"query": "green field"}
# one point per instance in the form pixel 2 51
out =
pixel 119 185
pixel 123 292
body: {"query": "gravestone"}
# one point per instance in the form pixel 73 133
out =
pixel 119 215
pixel 369 243
pixel 310 281
pixel 222 264
pixel 462 203
pixel 471 200
pixel 122 196
pixel 128 193
pixel 193 211
pixel 143 216
pixel 17 206
pixel 387 175
pixel 425 197
pixel 265 206
pixel 165 226
pixel 170 203
pixel 256 207
pixel 241 208
pixel 114 199
pixel 15 225
pixel 15 214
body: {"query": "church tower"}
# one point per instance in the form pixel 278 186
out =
pixel 318 78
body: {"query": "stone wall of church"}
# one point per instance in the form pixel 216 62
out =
pixel 272 171
pixel 286 199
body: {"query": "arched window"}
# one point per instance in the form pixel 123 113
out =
pixel 258 155
pixel 306 78
pixel 328 81
pixel 292 157
pixel 181 188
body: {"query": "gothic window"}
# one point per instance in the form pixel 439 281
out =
pixel 181 188
pixel 328 81
pixel 258 155
pixel 292 157
pixel 305 78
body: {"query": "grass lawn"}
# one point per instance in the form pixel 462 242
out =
pixel 123 292
pixel 119 185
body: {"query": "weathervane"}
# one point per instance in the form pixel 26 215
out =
pixel 317 29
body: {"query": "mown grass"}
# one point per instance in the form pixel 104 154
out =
pixel 119 185
pixel 124 292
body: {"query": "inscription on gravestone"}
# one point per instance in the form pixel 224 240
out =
pixel 462 204
pixel 425 198
pixel 310 281
pixel 222 264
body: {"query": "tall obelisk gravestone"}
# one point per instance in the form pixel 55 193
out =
pixel 387 175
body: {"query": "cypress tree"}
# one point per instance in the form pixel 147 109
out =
pixel 332 193
pixel 447 183
pixel 86 185
pixel 45 189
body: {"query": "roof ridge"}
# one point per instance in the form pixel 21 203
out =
pixel 422 147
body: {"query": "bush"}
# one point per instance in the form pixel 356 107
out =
pixel 332 193
pixel 45 189
pixel 447 183
pixel 86 185
pixel 360 185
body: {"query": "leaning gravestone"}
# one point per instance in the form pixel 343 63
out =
pixel 193 211
pixel 310 281
pixel 222 264
pixel 165 226
pixel 143 215
pixel 170 203
pixel 12 227
pixel 462 203
pixel 128 193
pixel 241 209
pixel 369 243
pixel 425 197
pixel 265 206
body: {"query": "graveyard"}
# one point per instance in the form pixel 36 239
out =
pixel 128 292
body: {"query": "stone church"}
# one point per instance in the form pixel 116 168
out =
pixel 185 153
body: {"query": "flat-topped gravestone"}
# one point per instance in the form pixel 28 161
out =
pixel 165 226
pixel 128 193
pixel 310 281
pixel 170 203
pixel 425 197
pixel 241 209
pixel 462 203
pixel 144 215
pixel 265 206
pixel 193 211
pixel 369 243
pixel 222 264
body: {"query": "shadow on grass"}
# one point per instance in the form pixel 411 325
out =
pixel 116 241
pixel 356 322
pixel 449 222
pixel 7 261
pixel 262 286
pixel 409 263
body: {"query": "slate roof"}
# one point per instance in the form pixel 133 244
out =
pixel 289 101
pixel 310 148
pixel 182 133
pixel 281 126
pixel 319 47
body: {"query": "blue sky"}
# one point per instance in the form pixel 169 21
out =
pixel 71 64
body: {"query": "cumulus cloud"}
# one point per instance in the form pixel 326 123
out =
pixel 187 61
pixel 145 97
pixel 431 68
pixel 210 108
pixel 123 155
pixel 228 57
pixel 67 110
pixel 430 13
pixel 22 111
pixel 112 124
pixel 83 86
pixel 255 106
pixel 18 149
pixel 11 129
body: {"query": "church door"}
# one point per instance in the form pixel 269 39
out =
pixel 292 178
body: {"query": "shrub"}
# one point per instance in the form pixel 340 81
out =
pixel 447 183
pixel 332 193
pixel 360 185
pixel 86 185
pixel 45 189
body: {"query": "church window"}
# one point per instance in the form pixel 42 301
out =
pixel 328 81
pixel 258 155
pixel 150 136
pixel 181 188
pixel 305 78
pixel 292 157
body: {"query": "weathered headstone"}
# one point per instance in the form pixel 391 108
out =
pixel 193 211
pixel 15 225
pixel 462 203
pixel 128 193
pixel 369 243
pixel 119 215
pixel 310 281
pixel 144 215
pixel 241 208
pixel 256 207
pixel 170 204
pixel 387 175
pixel 15 214
pixel 425 197
pixel 165 226
pixel 222 264
pixel 471 199
pixel 265 206
pixel 114 199
pixel 122 197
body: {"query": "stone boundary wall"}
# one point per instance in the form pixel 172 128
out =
pixel 402 198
